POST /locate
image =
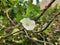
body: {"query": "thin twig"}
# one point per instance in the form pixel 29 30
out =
pixel 43 38
pixel 52 1
pixel 9 17
pixel 4 37
pixel 26 34
pixel 31 38
pixel 42 41
pixel 11 27
pixel 48 23
pixel 11 34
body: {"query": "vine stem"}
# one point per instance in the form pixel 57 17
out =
pixel 52 1
pixel 48 23
pixel 8 16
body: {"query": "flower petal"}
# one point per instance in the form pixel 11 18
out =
pixel 28 23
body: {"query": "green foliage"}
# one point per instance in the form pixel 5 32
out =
pixel 21 9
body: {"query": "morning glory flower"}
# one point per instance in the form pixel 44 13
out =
pixel 28 24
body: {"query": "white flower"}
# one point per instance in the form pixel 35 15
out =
pixel 28 24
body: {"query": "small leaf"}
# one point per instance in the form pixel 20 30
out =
pixel 19 17
pixel 47 31
pixel 18 41
pixel 15 30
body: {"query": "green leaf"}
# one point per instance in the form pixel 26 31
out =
pixel 18 41
pixel 4 3
pixel 19 17
pixel 30 8
pixel 47 31
pixel 15 30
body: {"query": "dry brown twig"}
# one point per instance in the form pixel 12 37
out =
pixel 8 16
pixel 49 23
pixel 52 1
pixel 33 39
pixel 11 27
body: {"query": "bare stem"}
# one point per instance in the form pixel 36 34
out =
pixel 52 1
pixel 49 23
pixel 9 17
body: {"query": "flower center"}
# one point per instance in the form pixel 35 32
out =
pixel 27 24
